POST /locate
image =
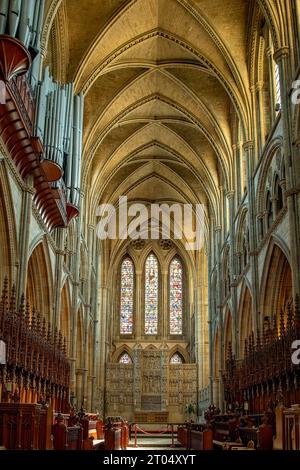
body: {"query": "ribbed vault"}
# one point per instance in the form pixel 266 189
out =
pixel 165 81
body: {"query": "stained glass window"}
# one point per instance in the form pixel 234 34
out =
pixel 151 295
pixel 125 358
pixel 277 83
pixel 127 293
pixel 176 305
pixel 176 359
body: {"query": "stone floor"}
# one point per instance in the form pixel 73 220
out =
pixel 155 443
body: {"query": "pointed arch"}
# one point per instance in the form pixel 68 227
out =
pixel 278 195
pixel 127 294
pixel 39 287
pixel 65 314
pixel 276 284
pixel 245 318
pixel 125 358
pixel 176 288
pixel 176 359
pixel 183 353
pixel 8 231
pixel 151 311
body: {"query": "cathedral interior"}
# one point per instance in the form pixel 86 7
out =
pixel 173 103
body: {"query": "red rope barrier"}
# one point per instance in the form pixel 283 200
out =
pixel 151 434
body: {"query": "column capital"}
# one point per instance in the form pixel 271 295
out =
pixel 248 146
pixel 281 53
pixel 230 194
pixel 259 86
pixel 269 50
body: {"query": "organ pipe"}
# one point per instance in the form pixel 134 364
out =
pixel 58 112
pixel 23 20
pixel 14 16
pixel 59 121
pixel 3 15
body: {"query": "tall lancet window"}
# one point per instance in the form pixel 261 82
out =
pixel 176 297
pixel 127 294
pixel 151 295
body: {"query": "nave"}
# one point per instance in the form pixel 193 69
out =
pixel 149 224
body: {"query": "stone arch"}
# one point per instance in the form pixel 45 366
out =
pixel 271 151
pixel 245 320
pixel 120 351
pixel 181 351
pixel 276 284
pixel 65 315
pixel 8 241
pixel 39 287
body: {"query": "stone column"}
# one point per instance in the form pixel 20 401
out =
pixel 59 261
pixel 103 296
pixel 291 165
pixel 249 154
pixel 86 353
pixel 219 294
pixel 95 399
pixel 272 81
pixel 297 6
pixel 90 243
pixel 233 271
pixel 78 381
pixel 261 115
pixel 137 379
pixel 24 234
pixel 238 176
pixel 211 316
pixel 165 305
pixel 216 393
pixel 74 310
pixel 138 306
pixel 198 336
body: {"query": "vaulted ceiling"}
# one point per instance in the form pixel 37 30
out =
pixel 165 82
